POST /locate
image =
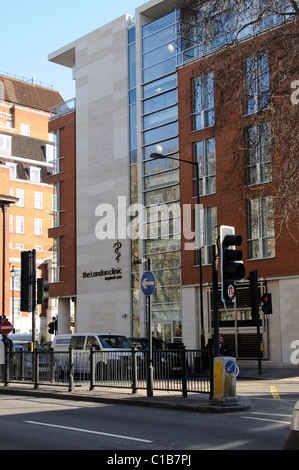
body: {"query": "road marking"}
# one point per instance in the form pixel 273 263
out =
pixel 89 431
pixel 266 419
pixel 270 414
pixel 274 392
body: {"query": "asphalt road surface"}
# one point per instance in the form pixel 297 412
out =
pixel 29 423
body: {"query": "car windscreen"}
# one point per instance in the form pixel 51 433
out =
pixel 115 341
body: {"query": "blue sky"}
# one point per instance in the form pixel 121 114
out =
pixel 31 30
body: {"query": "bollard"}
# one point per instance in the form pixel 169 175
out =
pixel 225 373
pixel 92 369
pixel 71 369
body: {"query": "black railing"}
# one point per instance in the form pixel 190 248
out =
pixel 173 370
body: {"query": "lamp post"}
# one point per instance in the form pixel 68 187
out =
pixel 13 275
pixel 157 156
pixel 150 370
pixel 5 202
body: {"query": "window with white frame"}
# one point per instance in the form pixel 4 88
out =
pixel 258 83
pixel 19 224
pixel 19 246
pixel 12 169
pixel 49 151
pixel 203 101
pixel 261 239
pixel 208 223
pixel 5 144
pixel 15 307
pixel 205 155
pixel 15 283
pixel 259 161
pixel 25 130
pixel 38 227
pixel 38 200
pixel 10 223
pixel 34 174
pixel 20 194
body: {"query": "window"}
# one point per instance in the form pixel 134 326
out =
pixel 10 223
pixel 205 155
pixel 20 195
pixel 38 227
pixel 49 153
pixel 261 228
pixel 15 283
pixel 258 84
pixel 5 145
pixel 208 233
pixel 19 246
pixel 259 162
pixel 12 170
pixel 38 200
pixel 19 224
pixel 203 101
pixel 35 174
pixel 25 130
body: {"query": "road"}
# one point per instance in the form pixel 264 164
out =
pixel 44 424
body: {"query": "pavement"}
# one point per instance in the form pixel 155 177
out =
pixel 196 402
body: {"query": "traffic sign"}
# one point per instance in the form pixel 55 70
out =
pixel 148 283
pixel 6 327
pixel 231 291
pixel 230 367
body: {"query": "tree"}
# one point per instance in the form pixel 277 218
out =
pixel 260 80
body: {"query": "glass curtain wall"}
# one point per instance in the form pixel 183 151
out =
pixel 135 304
pixel 161 177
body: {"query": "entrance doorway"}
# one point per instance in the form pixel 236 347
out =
pixel 164 331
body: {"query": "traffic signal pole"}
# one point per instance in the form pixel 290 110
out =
pixel 215 302
pixel 254 297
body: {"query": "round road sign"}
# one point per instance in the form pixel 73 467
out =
pixel 231 291
pixel 148 283
pixel 6 327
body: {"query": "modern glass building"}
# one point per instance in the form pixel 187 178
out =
pixel 145 87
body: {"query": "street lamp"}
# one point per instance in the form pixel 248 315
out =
pixel 157 156
pixel 13 275
pixel 5 202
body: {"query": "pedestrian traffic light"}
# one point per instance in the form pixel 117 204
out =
pixel 266 304
pixel 42 291
pixel 232 269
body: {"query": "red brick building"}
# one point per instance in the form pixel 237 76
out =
pixel 63 286
pixel 26 158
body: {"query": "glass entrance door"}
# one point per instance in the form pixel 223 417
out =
pixel 164 331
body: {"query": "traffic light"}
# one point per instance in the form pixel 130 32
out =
pixel 42 291
pixel 231 268
pixel 51 327
pixel 266 304
pixel 28 281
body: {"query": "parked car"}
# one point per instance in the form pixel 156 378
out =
pixel 21 361
pixel 166 363
pixel 112 362
pixel 292 439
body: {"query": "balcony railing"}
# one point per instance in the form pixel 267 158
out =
pixel 63 108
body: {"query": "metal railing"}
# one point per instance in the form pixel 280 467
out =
pixel 173 370
pixel 63 108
